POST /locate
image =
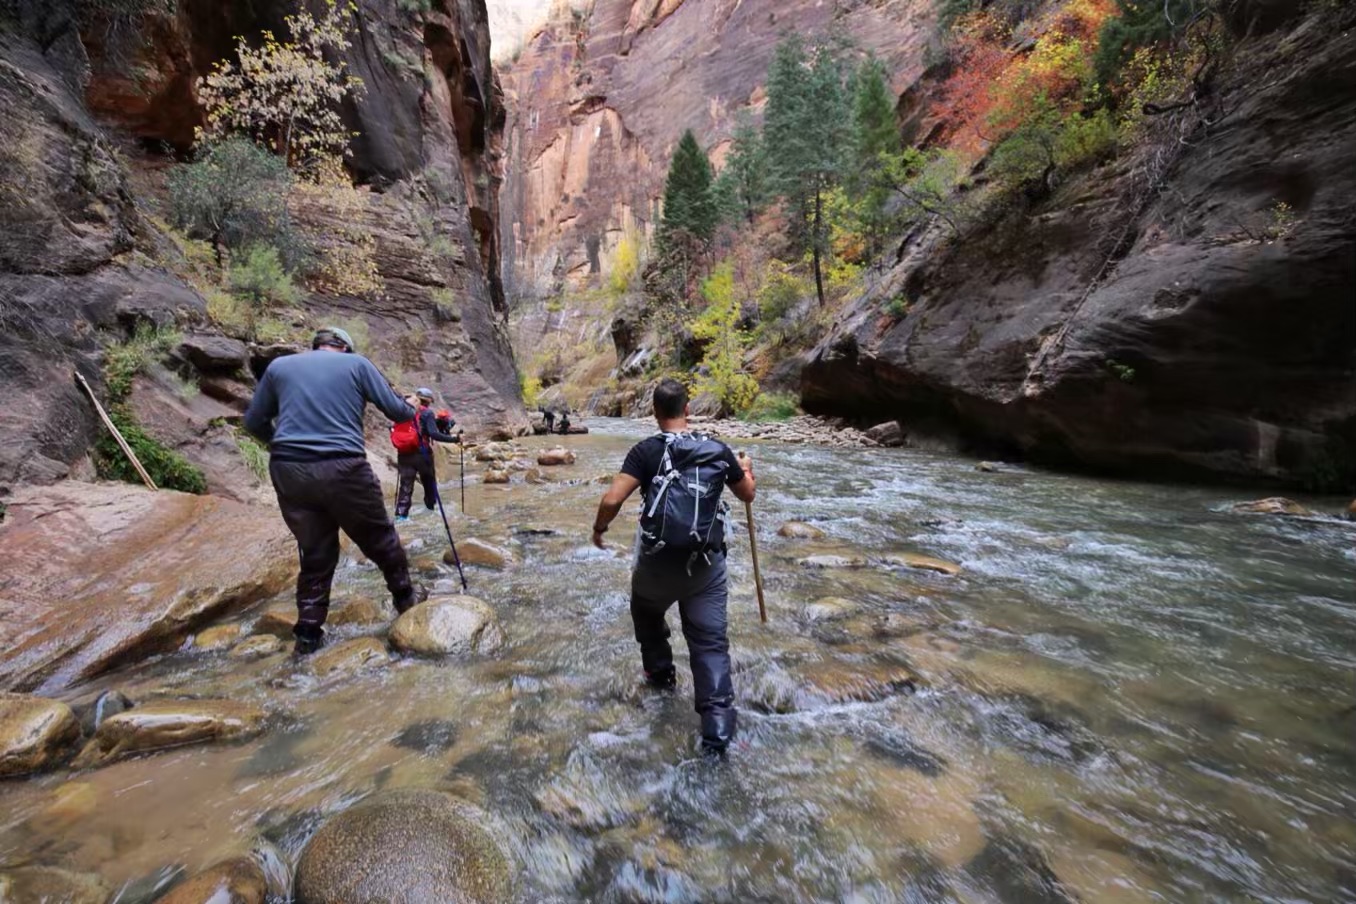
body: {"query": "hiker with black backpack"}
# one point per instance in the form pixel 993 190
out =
pixel 681 555
pixel 413 440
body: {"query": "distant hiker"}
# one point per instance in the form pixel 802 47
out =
pixel 308 408
pixel 549 417
pixel 414 453
pixel 564 423
pixel 682 554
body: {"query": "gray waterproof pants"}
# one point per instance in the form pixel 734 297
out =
pixel 658 582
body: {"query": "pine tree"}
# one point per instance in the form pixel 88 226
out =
pixel 689 206
pixel 743 184
pixel 807 124
pixel 875 140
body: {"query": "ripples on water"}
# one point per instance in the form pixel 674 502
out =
pixel 1128 696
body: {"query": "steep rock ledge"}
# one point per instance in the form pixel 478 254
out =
pixel 1203 350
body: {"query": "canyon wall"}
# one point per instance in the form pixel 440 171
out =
pixel 97 109
pixel 599 97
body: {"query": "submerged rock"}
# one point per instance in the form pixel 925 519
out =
pixel 169 723
pixel 109 703
pixel 987 467
pixel 218 637
pixel 405 846
pixel 448 626
pixel 35 734
pixel 362 612
pixel 257 646
pixel 429 737
pixel 1351 511
pixel 556 457
pixel 237 881
pixel 44 883
pixel 799 530
pixel 924 563
pixel 826 561
pixel 497 476
pixel 362 654
pixel 478 552
pixel 277 620
pixel 830 608
pixel 835 681
pixel 1276 505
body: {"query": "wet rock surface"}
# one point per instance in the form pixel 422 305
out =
pixel 799 530
pixel 237 881
pixel 448 626
pixel 35 733
pixel 41 884
pixel 153 568
pixel 921 562
pixel 1276 505
pixel 474 551
pixel 350 657
pixel 161 724
pixel 257 647
pixel 555 458
pixel 405 846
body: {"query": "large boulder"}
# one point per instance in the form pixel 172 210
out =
pixel 404 847
pixel 555 457
pixel 99 575
pixel 43 883
pixel 214 353
pixel 169 723
pixel 35 734
pixel 448 626
pixel 889 434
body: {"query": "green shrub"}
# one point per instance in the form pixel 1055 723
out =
pixel 255 455
pixel 235 195
pixel 898 307
pixel 1086 139
pixel 773 406
pixel 258 277
pixel 122 362
pixel 531 390
pixel 169 469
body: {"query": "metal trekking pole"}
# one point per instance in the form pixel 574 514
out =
pixel 461 454
pixel 753 547
pixel 456 559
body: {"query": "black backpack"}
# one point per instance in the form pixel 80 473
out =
pixel 683 510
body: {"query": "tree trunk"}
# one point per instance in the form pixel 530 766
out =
pixel 814 246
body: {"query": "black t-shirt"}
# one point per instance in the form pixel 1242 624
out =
pixel 642 462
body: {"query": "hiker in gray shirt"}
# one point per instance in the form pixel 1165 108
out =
pixel 308 409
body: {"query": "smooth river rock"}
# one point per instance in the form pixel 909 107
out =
pixel 404 847
pixel 478 552
pixel 361 611
pixel 556 457
pixel 448 626
pixel 831 562
pixel 218 637
pixel 39 884
pixel 799 530
pixel 257 646
pixel 100 575
pixel 830 608
pixel 169 723
pixel 497 476
pixel 237 881
pixel 35 734
pixel 924 563
pixel 1275 505
pixel 351 657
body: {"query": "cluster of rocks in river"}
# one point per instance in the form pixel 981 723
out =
pixel 806 429
pixel 504 459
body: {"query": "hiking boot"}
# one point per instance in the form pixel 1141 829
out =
pixel 662 679
pixel 308 643
pixel 418 593
pixel 718 730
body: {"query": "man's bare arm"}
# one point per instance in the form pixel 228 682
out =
pixel 623 485
pixel 747 488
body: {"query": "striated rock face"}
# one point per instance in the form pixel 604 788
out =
pixel 152 568
pixel 1201 350
pixel 598 101
pixel 90 111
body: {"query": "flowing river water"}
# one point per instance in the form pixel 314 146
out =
pixel 1127 695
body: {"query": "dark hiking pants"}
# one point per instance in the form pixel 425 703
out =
pixel 415 465
pixel 659 582
pixel 320 498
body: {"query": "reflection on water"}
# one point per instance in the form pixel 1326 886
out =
pixel 1127 696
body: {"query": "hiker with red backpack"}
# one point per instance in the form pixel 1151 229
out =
pixel 413 440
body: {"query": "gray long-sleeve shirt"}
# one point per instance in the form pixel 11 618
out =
pixel 309 407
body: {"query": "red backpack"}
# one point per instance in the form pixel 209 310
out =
pixel 405 436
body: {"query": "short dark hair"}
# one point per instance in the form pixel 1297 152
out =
pixel 670 398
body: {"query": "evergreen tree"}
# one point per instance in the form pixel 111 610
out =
pixel 743 185
pixel 875 140
pixel 689 205
pixel 805 131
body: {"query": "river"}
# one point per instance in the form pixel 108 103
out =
pixel 1127 695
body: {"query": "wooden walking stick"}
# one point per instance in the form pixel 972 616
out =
pixel 108 422
pixel 753 547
